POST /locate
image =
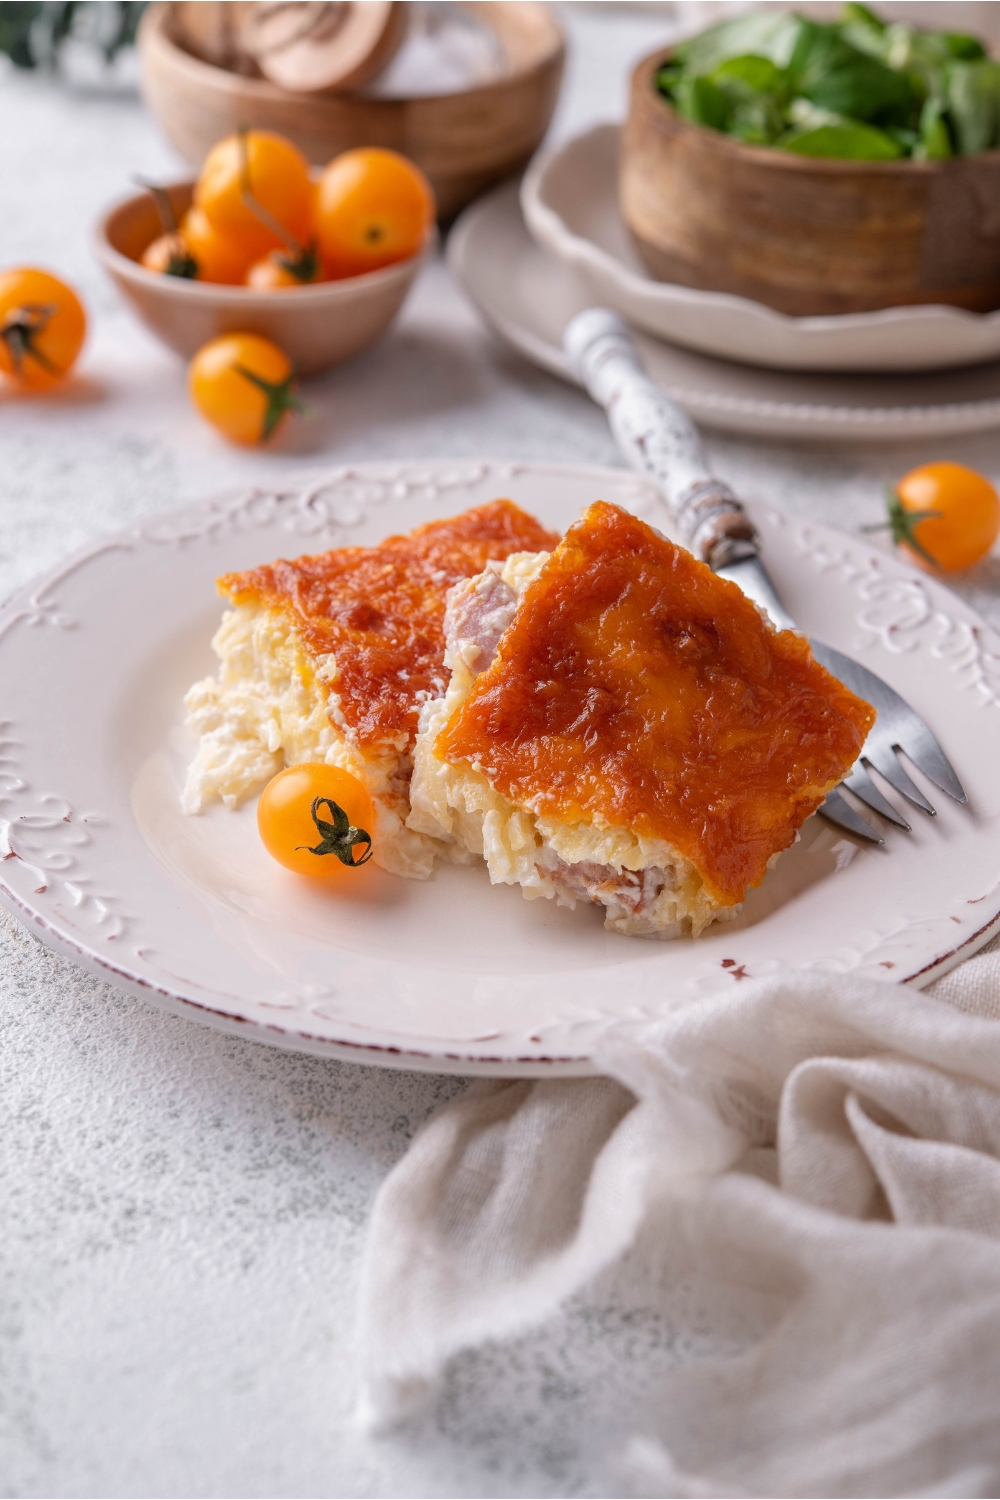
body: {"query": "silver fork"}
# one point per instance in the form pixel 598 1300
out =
pixel 658 439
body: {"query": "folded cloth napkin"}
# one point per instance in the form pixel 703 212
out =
pixel 821 1153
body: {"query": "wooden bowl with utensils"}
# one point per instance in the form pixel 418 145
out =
pixel 807 236
pixel 317 326
pixel 463 141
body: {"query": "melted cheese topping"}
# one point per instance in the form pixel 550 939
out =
pixel 539 853
pixel 378 612
pixel 635 690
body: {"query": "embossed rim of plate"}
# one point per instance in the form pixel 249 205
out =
pixel 923 621
pixel 893 339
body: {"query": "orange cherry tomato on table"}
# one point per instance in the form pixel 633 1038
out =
pixel 278 176
pixel 242 384
pixel 317 820
pixel 42 327
pixel 220 259
pixel 944 516
pixel 372 208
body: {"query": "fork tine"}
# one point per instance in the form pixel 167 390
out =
pixel 837 810
pixel 909 731
pixel 862 786
pixel 887 765
pixel 926 754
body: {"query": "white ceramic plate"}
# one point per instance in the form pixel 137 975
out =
pixel 451 975
pixel 528 296
pixel 570 200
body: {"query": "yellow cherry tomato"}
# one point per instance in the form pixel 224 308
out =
pixel 278 177
pixel 169 255
pixel 279 269
pixel 945 516
pixel 317 820
pixel 242 384
pixel 42 327
pixel 219 259
pixel 372 208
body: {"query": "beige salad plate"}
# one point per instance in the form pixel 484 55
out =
pixel 570 203
pixel 100 862
pixel 528 295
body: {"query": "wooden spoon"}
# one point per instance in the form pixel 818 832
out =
pixel 311 47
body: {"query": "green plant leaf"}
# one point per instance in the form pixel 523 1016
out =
pixel 703 102
pixel 16 22
pixel 849 141
pixel 972 93
pixel 860 15
pixel 966 48
pixel 667 78
pixel 765 33
pixel 935 140
pixel 826 69
pixel 758 120
pixel 859 89
pixel 756 74
pixel 32 35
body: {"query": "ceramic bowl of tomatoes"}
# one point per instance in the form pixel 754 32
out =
pixel 318 265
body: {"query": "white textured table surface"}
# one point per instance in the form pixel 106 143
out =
pixel 184 1212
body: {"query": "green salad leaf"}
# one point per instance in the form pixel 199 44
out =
pixel 825 68
pixel 857 89
pixel 849 141
pixel 972 101
pixel 765 33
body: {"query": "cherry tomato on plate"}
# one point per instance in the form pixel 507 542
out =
pixel 277 176
pixel 242 384
pixel 317 820
pixel 42 327
pixel 944 516
pixel 373 207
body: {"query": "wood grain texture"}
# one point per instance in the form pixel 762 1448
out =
pixel 805 236
pixel 463 141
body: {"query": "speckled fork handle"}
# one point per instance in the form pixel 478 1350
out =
pixel 658 439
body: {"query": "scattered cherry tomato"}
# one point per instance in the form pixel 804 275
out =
pixel 42 327
pixel 242 384
pixel 281 269
pixel 373 207
pixel 944 516
pixel 219 259
pixel 170 256
pixel 277 175
pixel 317 820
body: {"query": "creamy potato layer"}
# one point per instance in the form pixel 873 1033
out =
pixel 272 705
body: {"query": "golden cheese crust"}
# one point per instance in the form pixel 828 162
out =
pixel 634 689
pixel 379 611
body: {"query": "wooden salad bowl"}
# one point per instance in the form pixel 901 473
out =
pixel 807 236
pixel 463 141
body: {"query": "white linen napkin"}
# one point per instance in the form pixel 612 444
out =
pixel 822 1155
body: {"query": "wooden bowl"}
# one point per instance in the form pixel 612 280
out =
pixel 463 141
pixel 800 234
pixel 317 326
